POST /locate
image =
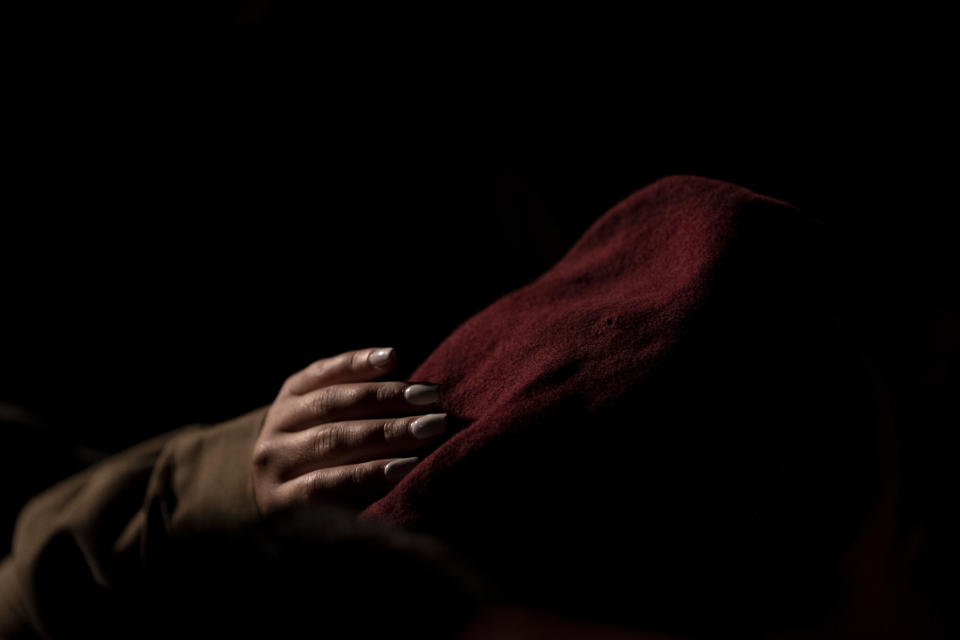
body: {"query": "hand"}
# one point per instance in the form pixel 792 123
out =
pixel 333 436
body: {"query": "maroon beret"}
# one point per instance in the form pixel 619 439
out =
pixel 669 415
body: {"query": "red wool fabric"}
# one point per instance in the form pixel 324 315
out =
pixel 585 447
pixel 590 328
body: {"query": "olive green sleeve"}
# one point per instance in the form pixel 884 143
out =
pixel 79 544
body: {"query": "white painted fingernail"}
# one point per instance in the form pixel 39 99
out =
pixel 429 425
pixel 421 394
pixel 380 357
pixel 399 468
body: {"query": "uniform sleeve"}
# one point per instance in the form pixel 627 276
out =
pixel 81 543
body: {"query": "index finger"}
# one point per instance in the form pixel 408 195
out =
pixel 351 366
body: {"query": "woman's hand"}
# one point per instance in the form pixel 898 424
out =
pixel 333 436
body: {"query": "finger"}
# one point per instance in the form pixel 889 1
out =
pixel 351 366
pixel 341 443
pixel 355 484
pixel 354 401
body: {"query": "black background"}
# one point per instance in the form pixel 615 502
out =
pixel 201 198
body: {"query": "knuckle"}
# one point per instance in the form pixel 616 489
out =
pixel 318 368
pixel 263 456
pixel 351 395
pixel 357 360
pixel 340 397
pixel 322 401
pixel 290 384
pixel 326 440
pixel 396 428
pixel 358 475
pixel 387 391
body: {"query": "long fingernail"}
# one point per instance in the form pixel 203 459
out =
pixel 429 425
pixel 421 394
pixel 399 468
pixel 380 357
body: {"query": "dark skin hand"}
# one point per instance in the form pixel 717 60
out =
pixel 333 435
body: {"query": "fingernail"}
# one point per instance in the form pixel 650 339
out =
pixel 421 394
pixel 429 426
pixel 399 468
pixel 380 357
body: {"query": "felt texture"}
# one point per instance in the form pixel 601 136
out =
pixel 668 419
